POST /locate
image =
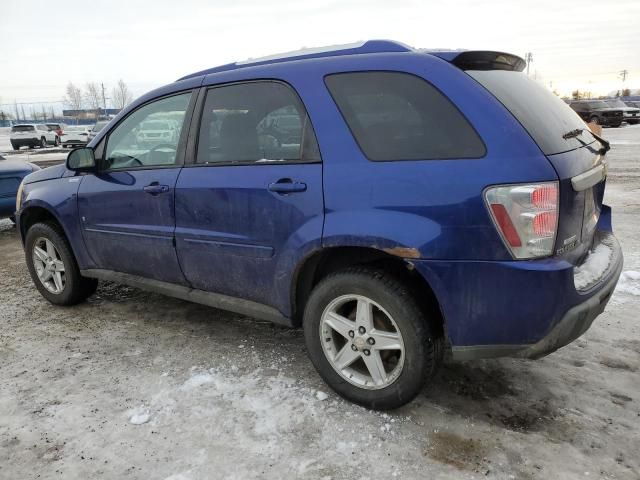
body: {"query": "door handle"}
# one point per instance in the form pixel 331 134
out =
pixel 286 185
pixel 156 189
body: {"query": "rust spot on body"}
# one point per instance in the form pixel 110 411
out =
pixel 404 252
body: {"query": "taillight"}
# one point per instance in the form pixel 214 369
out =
pixel 526 217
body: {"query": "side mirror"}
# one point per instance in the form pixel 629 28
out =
pixel 81 160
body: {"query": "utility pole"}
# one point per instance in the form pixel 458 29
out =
pixel 104 100
pixel 528 57
pixel 623 75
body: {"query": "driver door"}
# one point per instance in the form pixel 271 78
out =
pixel 127 208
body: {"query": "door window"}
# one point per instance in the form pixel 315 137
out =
pixel 257 122
pixel 149 136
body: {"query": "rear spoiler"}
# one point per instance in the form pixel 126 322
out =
pixel 481 59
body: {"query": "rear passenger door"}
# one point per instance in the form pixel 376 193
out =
pixel 250 203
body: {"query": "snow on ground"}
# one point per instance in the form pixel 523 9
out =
pixel 139 386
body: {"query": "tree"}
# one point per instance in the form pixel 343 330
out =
pixel 576 95
pixel 74 99
pixel 626 92
pixel 121 95
pixel 15 105
pixel 93 97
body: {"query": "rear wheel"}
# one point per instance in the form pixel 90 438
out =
pixel 53 268
pixel 368 338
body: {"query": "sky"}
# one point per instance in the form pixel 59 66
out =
pixel 576 44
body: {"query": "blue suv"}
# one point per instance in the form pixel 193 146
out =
pixel 424 203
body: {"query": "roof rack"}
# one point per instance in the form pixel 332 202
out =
pixel 370 46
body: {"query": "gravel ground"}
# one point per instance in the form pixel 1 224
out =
pixel 135 385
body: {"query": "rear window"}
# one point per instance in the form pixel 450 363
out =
pixel 398 116
pixel 154 126
pixel 545 116
pixel 23 128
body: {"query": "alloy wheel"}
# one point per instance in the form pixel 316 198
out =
pixel 49 265
pixel 362 342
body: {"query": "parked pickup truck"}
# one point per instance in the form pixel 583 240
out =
pixel 599 112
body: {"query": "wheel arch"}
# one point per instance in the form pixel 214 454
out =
pixel 39 213
pixel 327 260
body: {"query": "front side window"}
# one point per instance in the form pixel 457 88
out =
pixel 257 122
pixel 149 136
pixel 398 116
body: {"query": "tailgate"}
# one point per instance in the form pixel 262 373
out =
pixel 582 174
pixel 567 142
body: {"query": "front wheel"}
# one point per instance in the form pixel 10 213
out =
pixel 43 142
pixel 53 268
pixel 369 339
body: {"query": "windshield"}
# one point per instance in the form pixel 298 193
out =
pixel 544 115
pixel 75 129
pixel 154 126
pixel 23 128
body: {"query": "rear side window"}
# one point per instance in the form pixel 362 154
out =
pixel 257 122
pixel 399 116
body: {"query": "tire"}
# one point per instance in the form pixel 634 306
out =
pixel 392 303
pixel 43 142
pixel 75 288
pixel 15 147
pixel 595 120
pixel 56 142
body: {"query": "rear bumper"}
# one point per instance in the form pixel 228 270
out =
pixel 517 309
pixel 20 142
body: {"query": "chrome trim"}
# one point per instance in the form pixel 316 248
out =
pixel 589 178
